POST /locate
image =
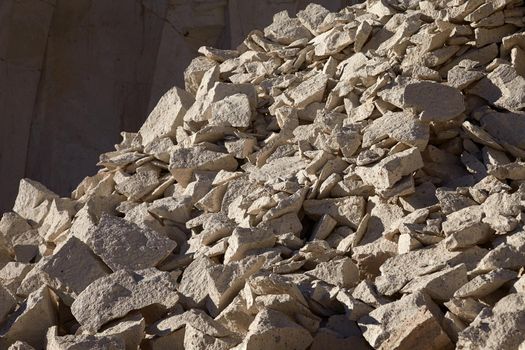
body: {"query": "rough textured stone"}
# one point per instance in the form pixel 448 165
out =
pixel 30 323
pixel 113 296
pixel 122 244
pixel 413 321
pixel 437 102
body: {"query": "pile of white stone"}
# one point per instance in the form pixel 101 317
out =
pixel 346 180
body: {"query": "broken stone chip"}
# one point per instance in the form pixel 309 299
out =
pixel 124 245
pixel 114 296
pixel 436 102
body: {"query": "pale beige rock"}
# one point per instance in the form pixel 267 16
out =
pixel 465 228
pixel 391 169
pixel 122 244
pixel 74 266
pixel 177 209
pixel 465 308
pixel 498 328
pixel 346 211
pixel 286 30
pixel 13 225
pixel 397 271
pixel 20 345
pixel 242 240
pixel 440 285
pixel 167 115
pixel 413 321
pixel 130 329
pixel 429 97
pixel 323 227
pixel 312 17
pixel 234 110
pixel 309 91
pixel 482 285
pixel 502 87
pixel 31 199
pixel 333 41
pixel 12 274
pixel 31 323
pixel 81 342
pixel 341 272
pixel 225 281
pixel 194 284
pixel 400 126
pixel 273 329
pixel 194 339
pixel 8 303
pixel 115 295
pixel 184 161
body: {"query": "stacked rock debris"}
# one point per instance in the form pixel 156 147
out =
pixel 347 180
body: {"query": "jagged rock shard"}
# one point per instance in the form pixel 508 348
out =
pixel 184 161
pixel 30 322
pixel 410 323
pixel 124 245
pixel 274 330
pixel 74 265
pixel 167 115
pixel 436 102
pixel 114 296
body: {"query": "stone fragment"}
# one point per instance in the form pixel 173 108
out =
pixel 323 227
pixel 8 303
pixel 234 110
pixel 286 30
pixel 20 345
pixel 341 272
pixel 346 211
pixel 184 161
pixel 400 126
pixel 167 115
pixel 440 285
pixel 312 17
pixel 124 245
pixel 242 240
pixel 465 228
pixel 275 330
pixel 31 321
pixel 465 308
pixel 309 91
pixel 81 342
pixel 503 87
pixel 74 266
pixel 412 321
pixel 130 329
pixel 428 98
pixel 114 296
pixel 31 200
pixel 498 328
pixel 482 285
pixel 397 271
pixel 391 169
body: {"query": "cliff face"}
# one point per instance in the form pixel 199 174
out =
pixel 75 73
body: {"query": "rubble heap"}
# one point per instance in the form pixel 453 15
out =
pixel 340 180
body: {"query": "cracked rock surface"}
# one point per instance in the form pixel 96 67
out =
pixel 351 179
